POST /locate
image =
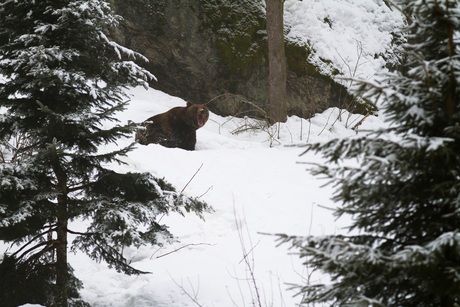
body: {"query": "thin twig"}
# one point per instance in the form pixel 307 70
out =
pixel 192 178
pixel 257 124
pixel 244 256
pixel 249 266
pixel 328 208
pixel 178 249
pixel 360 122
pixel 224 95
pixel 327 122
pixel 193 298
pixel 155 252
pixel 205 192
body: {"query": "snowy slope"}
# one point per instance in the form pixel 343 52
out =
pixel 227 260
pixel 253 188
pixel 348 35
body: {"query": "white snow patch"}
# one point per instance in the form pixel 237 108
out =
pixel 253 188
pixel 352 34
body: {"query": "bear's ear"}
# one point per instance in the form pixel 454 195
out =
pixel 189 103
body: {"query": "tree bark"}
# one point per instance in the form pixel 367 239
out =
pixel 276 61
pixel 62 220
pixel 61 253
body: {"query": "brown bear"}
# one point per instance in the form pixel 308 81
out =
pixel 174 128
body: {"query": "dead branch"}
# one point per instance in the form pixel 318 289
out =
pixel 192 178
pixel 194 298
pixel 205 192
pixel 178 249
pixel 249 266
pixel 244 256
pixel 360 122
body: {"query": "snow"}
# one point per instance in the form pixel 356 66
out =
pixel 254 189
pixel 351 34
pixel 253 181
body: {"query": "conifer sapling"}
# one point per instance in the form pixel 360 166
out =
pixel 62 79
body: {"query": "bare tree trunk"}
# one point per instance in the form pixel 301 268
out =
pixel 61 253
pixel 276 61
pixel 61 242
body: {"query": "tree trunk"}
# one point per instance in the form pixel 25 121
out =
pixel 276 61
pixel 62 220
pixel 61 253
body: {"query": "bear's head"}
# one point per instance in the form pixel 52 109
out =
pixel 198 114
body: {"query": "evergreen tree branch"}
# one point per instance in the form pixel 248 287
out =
pixel 98 249
pixel 35 238
pixel 81 233
pixel 402 186
pixel 80 187
pixel 48 245
pixel 63 80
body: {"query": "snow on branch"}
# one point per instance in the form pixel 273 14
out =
pixel 119 49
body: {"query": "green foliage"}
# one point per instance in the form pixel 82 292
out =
pixel 32 282
pixel 64 80
pixel 403 193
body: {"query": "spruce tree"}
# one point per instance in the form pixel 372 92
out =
pixel 62 78
pixel 404 192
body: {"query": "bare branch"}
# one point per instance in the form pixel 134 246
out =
pixel 194 298
pixel 205 192
pixel 178 249
pixel 192 178
pixel 35 238
pixel 48 245
pixel 244 256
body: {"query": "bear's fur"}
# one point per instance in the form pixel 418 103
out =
pixel 174 128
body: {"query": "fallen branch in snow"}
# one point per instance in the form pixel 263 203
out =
pixel 192 178
pixel 258 121
pixel 155 252
pixel 178 249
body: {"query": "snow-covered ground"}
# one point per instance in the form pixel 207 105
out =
pixel 254 183
pixel 253 188
pixel 348 35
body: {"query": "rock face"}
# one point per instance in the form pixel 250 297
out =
pixel 216 51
